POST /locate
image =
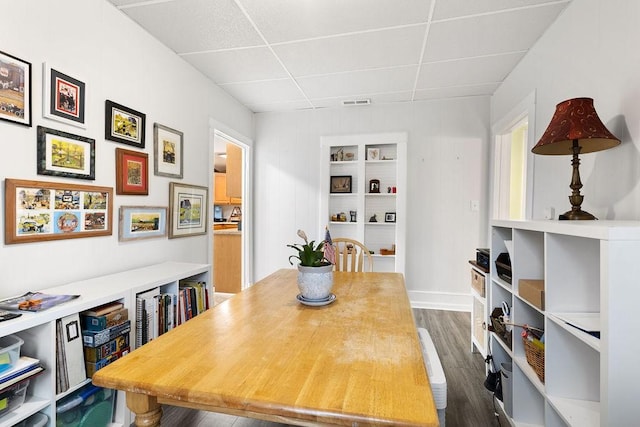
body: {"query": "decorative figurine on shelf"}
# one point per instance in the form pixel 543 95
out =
pixel 374 186
pixel 353 216
pixel 373 218
pixel 388 189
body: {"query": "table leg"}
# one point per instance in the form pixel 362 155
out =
pixel 146 409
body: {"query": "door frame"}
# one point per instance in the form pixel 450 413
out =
pixel 217 129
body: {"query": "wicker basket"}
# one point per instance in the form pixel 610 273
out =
pixel 535 357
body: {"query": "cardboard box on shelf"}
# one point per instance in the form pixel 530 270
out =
pixel 532 291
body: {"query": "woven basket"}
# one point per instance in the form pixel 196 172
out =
pixel 535 357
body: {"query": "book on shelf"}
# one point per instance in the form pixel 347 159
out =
pixel 93 354
pixel 34 301
pixel 103 321
pixel 24 367
pixel 103 309
pixel 96 338
pixel 92 367
pixel 146 316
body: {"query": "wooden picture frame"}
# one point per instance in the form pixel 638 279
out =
pixel 40 211
pixel 15 90
pixel 142 222
pixel 124 125
pixel 187 210
pixel 167 149
pixel 65 154
pixel 132 172
pixel 63 97
pixel 374 186
pixel 340 184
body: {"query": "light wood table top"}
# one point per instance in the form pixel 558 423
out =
pixel 262 354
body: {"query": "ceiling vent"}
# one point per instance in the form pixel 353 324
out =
pixel 350 102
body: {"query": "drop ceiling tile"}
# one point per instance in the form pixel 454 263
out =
pixel 486 69
pixel 456 92
pixel 488 34
pixel 455 8
pixel 359 82
pixel 264 92
pixel 376 99
pixel 286 20
pixel 126 2
pixel 353 52
pixel 238 65
pixel 196 25
pixel 280 106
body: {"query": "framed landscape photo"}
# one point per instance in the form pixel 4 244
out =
pixel 15 90
pixel 187 210
pixel 64 154
pixel 142 222
pixel 40 211
pixel 340 184
pixel 167 149
pixel 124 125
pixel 63 97
pixel 132 172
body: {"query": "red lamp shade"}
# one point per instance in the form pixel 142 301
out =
pixel 575 120
pixel 575 128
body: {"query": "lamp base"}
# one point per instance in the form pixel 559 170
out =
pixel 576 215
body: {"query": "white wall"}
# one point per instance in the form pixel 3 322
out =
pixel 93 41
pixel 590 51
pixel 447 168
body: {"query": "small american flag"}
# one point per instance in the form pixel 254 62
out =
pixel 329 250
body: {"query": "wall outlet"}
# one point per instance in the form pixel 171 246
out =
pixel 549 213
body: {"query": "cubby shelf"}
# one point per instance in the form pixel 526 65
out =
pixel 590 271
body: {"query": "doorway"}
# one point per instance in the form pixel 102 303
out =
pixel 229 244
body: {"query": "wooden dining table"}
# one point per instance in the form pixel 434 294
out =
pixel 262 354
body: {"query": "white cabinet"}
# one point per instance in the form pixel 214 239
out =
pixel 364 178
pixel 38 330
pixel 479 314
pixel 590 271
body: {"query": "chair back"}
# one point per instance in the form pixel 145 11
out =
pixel 350 255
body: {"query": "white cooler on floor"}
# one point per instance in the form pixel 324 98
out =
pixel 436 373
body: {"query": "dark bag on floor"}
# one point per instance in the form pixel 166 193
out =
pixel 493 382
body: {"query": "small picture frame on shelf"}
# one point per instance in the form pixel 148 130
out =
pixel 390 217
pixel 373 154
pixel 340 184
pixel 374 186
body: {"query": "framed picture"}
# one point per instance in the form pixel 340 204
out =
pixel 374 186
pixel 373 154
pixel 63 97
pixel 38 210
pixel 187 210
pixel 167 148
pixel 15 90
pixel 142 222
pixel 124 125
pixel 340 184
pixel 64 154
pixel 390 217
pixel 132 172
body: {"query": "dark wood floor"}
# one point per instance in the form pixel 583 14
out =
pixel 469 404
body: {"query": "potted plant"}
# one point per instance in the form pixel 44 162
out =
pixel 315 272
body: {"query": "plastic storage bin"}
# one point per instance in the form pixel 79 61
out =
pixel 9 351
pixel 89 406
pixel 507 387
pixel 35 420
pixel 436 374
pixel 13 397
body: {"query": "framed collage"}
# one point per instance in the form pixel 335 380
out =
pixel 40 211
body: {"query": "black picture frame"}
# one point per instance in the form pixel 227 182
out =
pixel 15 90
pixel 390 217
pixel 65 154
pixel 124 125
pixel 340 184
pixel 63 97
pixel 374 186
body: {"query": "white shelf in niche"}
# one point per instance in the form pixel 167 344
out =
pixel 382 256
pixel 380 194
pixel 342 223
pixel 343 194
pixel 379 223
pixel 564 319
pixel 583 413
pixel 345 162
pixel 388 161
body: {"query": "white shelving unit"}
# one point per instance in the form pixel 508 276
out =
pixel 38 330
pixel 590 271
pixel 364 158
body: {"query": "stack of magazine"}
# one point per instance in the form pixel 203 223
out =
pixel 34 301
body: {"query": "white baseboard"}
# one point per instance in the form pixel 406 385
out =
pixel 440 300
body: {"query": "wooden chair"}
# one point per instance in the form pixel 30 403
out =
pixel 350 255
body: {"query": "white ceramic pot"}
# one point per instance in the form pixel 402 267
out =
pixel 315 283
